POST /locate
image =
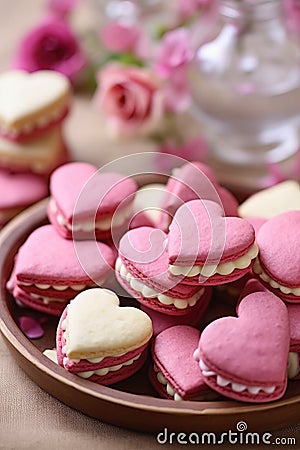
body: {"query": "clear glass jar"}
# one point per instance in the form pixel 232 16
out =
pixel 246 84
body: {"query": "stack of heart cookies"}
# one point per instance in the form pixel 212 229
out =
pixel 32 110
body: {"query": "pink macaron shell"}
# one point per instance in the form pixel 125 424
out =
pixel 250 350
pixel 85 366
pixel 192 181
pixel 121 374
pixel 251 286
pixel 82 192
pixel 47 258
pixel 256 222
pixel 144 254
pixel 200 234
pixel 172 353
pixel 161 321
pixel 228 201
pixel 21 190
pixel 53 308
pixel 279 240
pixel 36 132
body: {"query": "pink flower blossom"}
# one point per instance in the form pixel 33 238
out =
pixel 51 45
pixel 119 37
pixel 129 98
pixel 174 53
pixel 177 94
pixel 187 8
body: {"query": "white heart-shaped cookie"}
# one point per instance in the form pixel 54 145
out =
pixel 25 96
pixel 272 201
pixel 96 326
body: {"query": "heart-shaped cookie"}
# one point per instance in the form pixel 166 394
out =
pixel 39 155
pixel 99 340
pixel 50 269
pixel 31 103
pixel 206 247
pixel 278 262
pixel 175 374
pixel 193 181
pixel 20 190
pixel 87 202
pixel 142 269
pixel 272 201
pixel 245 358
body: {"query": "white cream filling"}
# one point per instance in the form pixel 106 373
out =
pixel 116 220
pixel 265 277
pixel 236 387
pixel 148 292
pixel 222 269
pixel 105 370
pixel 57 287
pixel 293 365
pixel 39 122
pixel 47 300
pixel 160 377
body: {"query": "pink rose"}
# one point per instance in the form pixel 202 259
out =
pixel 129 98
pixel 119 37
pixel 174 53
pixel 53 46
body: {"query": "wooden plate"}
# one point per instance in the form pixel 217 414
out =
pixel 132 403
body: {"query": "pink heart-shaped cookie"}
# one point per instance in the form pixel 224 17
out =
pixel 204 246
pixel 50 270
pixel 245 358
pixel 193 181
pixel 175 374
pixel 278 263
pixel 20 190
pixel 86 202
pixel 142 269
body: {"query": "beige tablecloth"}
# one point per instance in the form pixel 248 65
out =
pixel 29 417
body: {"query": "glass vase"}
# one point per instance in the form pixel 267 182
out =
pixel 246 85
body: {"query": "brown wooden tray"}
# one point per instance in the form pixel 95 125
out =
pixel 132 403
